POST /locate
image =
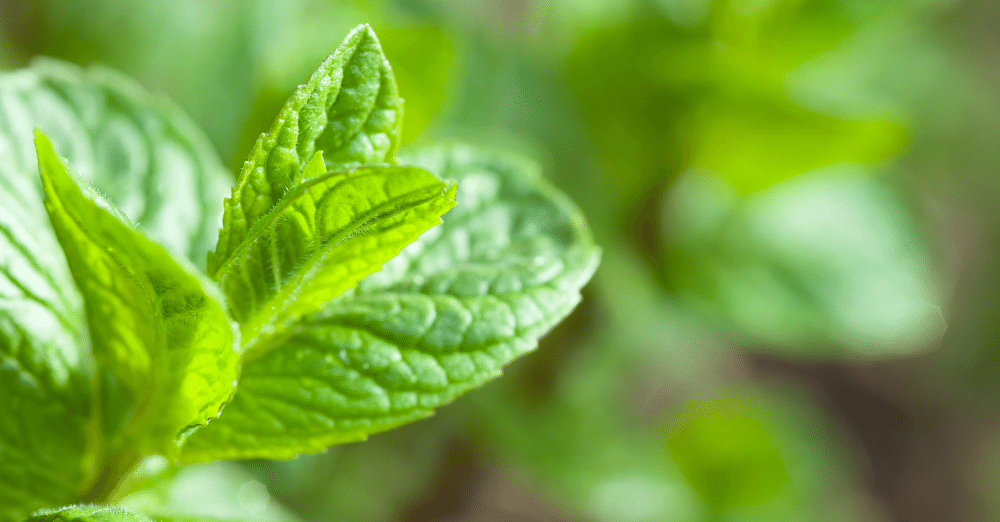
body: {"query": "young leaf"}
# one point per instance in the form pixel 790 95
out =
pixel 163 346
pixel 139 150
pixel 440 319
pixel 349 110
pixel 323 237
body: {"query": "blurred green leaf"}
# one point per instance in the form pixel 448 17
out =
pixel 46 415
pixel 220 491
pixel 729 456
pixel 767 454
pixel 757 143
pixel 830 264
pixel 422 57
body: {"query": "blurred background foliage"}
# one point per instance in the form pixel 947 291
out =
pixel 797 313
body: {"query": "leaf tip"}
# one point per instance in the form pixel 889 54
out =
pixel 361 31
pixel 42 144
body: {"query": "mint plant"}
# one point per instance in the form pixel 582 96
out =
pixel 352 288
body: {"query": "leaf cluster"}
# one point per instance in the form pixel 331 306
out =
pixel 335 304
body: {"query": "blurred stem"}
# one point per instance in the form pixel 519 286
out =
pixel 113 482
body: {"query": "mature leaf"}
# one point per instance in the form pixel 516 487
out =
pixel 163 345
pixel 43 370
pixel 45 410
pixel 349 110
pixel 140 151
pixel 150 159
pixel 323 237
pixel 440 319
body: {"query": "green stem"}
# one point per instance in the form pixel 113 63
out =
pixel 110 486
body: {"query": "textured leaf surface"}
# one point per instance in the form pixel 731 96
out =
pixel 440 319
pixel 149 159
pixel 165 344
pixel 349 110
pixel 322 238
pixel 45 400
pixel 140 151
pixel 43 381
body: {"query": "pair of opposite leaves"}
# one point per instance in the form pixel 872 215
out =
pixel 331 347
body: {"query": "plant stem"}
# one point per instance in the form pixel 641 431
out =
pixel 110 485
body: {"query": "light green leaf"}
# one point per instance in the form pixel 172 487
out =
pixel 349 110
pixel 322 238
pixel 757 141
pixel 438 320
pixel 150 160
pixel 86 513
pixel 830 264
pixel 46 435
pixel 44 382
pixel 165 353
pixel 139 150
pixel 45 431
pixel 95 513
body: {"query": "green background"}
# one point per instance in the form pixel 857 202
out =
pixel 796 314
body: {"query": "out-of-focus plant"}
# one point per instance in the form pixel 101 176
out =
pixel 322 317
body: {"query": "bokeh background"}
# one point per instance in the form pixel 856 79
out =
pixel 797 315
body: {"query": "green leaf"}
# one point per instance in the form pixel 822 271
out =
pixel 85 513
pixel 322 238
pixel 44 382
pixel 139 150
pixel 46 434
pixel 149 159
pixel 757 141
pixel 438 320
pixel 827 265
pixel 94 513
pixel 45 429
pixel 165 352
pixel 349 110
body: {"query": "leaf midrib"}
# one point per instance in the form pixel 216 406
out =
pixel 257 321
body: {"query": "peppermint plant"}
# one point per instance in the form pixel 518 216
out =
pixel 353 287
